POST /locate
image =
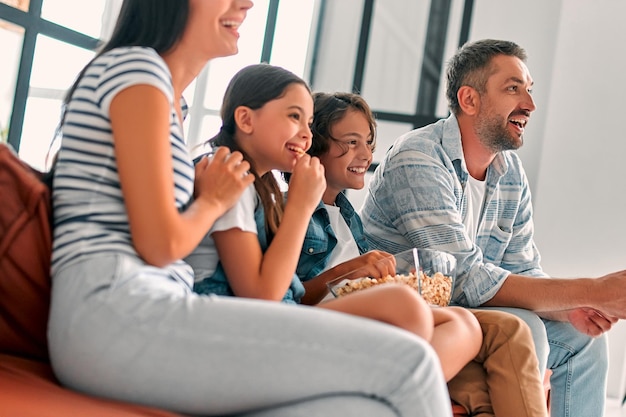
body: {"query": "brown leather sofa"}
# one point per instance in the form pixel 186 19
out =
pixel 27 385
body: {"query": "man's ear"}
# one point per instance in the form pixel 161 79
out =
pixel 469 100
pixel 243 119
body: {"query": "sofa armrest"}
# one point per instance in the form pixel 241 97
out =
pixel 28 388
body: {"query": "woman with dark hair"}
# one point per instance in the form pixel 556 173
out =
pixel 124 321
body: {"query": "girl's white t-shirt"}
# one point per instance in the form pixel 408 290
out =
pixel 204 258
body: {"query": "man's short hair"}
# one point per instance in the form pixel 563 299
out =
pixel 471 66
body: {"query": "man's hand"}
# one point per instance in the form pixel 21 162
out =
pixel 590 321
pixel 612 293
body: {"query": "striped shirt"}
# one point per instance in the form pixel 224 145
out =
pixel 89 213
pixel 417 199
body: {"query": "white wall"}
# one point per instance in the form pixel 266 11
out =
pixel 576 139
pixel 581 195
pixel 534 27
pixel 581 192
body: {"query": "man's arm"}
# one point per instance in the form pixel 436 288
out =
pixel 545 294
pixel 591 305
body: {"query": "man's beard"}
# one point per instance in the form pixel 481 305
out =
pixel 493 134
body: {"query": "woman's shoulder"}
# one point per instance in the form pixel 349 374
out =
pixel 124 66
pixel 122 52
pixel 132 58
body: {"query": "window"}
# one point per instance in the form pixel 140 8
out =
pixel 11 38
pixel 389 51
pixel 45 58
pixel 45 43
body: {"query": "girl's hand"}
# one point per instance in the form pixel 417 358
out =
pixel 307 184
pixel 380 263
pixel 222 178
pixel 374 264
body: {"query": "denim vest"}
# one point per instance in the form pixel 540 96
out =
pixel 218 282
pixel 320 239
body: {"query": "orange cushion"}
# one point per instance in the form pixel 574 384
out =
pixel 28 389
pixel 25 250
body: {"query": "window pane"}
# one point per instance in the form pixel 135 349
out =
pixel 452 44
pixel 386 134
pixel 81 16
pixel 394 57
pixel 51 72
pixel 221 70
pixel 338 43
pixel 40 121
pixel 210 127
pixel 291 39
pixel 49 81
pixel 18 4
pixel 11 41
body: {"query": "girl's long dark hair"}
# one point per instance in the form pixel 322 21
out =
pixel 253 86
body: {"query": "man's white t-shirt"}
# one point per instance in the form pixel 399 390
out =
pixel 475 191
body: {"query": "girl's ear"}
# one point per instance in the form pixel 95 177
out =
pixel 469 100
pixel 243 119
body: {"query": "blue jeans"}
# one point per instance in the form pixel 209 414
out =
pixel 579 365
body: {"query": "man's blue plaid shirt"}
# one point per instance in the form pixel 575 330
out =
pixel 416 198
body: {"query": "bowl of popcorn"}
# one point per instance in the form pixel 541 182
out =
pixel 430 272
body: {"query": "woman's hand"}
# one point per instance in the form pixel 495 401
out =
pixel 222 178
